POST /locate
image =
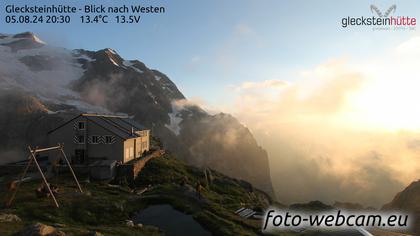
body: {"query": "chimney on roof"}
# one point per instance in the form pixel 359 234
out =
pixel 132 131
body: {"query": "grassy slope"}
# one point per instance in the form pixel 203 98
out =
pixel 224 196
pixel 104 209
pixel 101 208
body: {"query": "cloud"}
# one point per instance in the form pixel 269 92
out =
pixel 274 83
pixel 193 64
pixel 195 59
pixel 411 46
pixel 242 39
pixel 182 104
pixel 345 131
pixel 243 30
pixel 195 102
pixel 46 71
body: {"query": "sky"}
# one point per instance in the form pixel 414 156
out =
pixel 206 46
pixel 336 108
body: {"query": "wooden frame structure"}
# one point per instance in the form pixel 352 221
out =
pixel 32 159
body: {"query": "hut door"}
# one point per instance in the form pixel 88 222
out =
pixel 79 156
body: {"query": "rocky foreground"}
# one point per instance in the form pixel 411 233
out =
pixel 110 209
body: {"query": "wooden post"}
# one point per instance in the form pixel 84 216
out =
pixel 43 177
pixel 45 149
pixel 32 159
pixel 205 175
pixel 71 169
pixel 25 170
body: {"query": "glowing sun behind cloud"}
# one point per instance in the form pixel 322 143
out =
pixel 346 131
pixel 390 95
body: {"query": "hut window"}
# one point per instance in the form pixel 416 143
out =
pixel 95 139
pixel 81 125
pixel 81 139
pixel 108 139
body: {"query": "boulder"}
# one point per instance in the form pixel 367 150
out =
pixel 58 225
pixel 40 229
pixel 129 223
pixel 94 233
pixel 9 218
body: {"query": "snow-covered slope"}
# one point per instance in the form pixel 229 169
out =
pixel 40 70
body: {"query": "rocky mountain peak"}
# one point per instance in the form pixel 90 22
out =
pixel 111 55
pixel 408 199
pixel 22 41
pixel 30 36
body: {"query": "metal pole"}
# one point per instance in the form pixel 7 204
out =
pixel 25 170
pixel 71 169
pixel 43 177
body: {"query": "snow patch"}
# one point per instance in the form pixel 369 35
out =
pixel 132 66
pixel 36 39
pixel 174 120
pixel 85 57
pixel 127 63
pixel 158 78
pixel 153 97
pixel 113 62
pixel 175 117
pixel 112 51
pixel 51 112
pixel 137 69
pixel 51 84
